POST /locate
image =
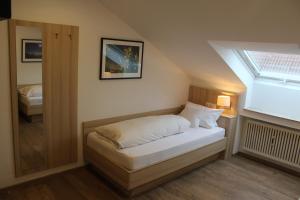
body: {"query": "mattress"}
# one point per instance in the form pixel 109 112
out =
pixel 138 157
pixel 31 101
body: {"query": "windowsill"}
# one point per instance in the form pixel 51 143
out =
pixel 271 114
pixel 270 117
pixel 229 116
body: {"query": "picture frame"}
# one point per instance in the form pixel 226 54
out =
pixel 31 50
pixel 121 59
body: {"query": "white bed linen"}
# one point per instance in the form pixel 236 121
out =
pixel 31 101
pixel 31 90
pixel 141 156
pixel 142 130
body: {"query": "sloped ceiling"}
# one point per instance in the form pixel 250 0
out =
pixel 181 29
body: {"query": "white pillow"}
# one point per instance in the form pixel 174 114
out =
pixel 201 116
pixel 142 130
pixel 191 115
pixel 32 91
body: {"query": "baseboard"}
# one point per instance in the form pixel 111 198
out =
pixel 23 179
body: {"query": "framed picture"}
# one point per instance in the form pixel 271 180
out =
pixel 121 59
pixel 31 50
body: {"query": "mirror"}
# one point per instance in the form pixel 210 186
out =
pixel 29 69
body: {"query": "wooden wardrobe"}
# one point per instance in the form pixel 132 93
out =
pixel 59 74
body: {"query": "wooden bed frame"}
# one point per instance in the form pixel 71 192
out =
pixel 134 182
pixel 31 113
pixel 30 110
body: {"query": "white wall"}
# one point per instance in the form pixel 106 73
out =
pixel 27 73
pixel 163 84
pixel 226 50
pixel 276 99
pixel 181 29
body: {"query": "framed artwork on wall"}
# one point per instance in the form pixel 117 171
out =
pixel 31 50
pixel 121 59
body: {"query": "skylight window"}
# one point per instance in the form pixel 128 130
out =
pixel 285 67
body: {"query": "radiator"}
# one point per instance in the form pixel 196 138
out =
pixel 273 142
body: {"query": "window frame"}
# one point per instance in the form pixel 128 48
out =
pixel 283 78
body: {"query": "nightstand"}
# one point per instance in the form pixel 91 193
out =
pixel 229 123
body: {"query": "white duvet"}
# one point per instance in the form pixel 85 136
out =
pixel 142 130
pixel 32 91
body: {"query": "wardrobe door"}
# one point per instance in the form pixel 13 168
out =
pixel 60 72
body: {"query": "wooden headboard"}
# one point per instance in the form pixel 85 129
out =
pixel 203 96
pixel 24 85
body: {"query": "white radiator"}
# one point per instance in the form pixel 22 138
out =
pixel 272 142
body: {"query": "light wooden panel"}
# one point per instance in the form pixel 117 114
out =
pixel 74 91
pixel 14 94
pixel 202 96
pixel 61 52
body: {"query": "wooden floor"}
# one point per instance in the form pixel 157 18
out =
pixel 32 146
pixel 236 179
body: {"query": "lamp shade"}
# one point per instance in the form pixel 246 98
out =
pixel 223 101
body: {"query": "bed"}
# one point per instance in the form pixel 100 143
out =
pixel 30 105
pixel 141 156
pixel 137 169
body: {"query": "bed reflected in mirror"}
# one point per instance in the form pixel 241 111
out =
pixel 32 138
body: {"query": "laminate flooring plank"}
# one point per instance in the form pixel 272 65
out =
pixel 235 179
